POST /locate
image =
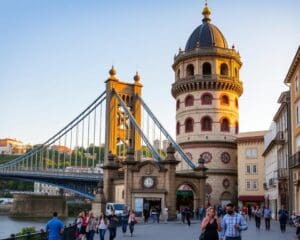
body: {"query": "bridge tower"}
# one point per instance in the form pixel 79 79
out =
pixel 207 88
pixel 118 130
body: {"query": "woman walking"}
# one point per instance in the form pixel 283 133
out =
pixel 258 215
pixel 91 226
pixel 210 225
pixel 131 221
pixel 124 220
pixel 102 226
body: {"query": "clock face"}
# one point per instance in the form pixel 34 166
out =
pixel 148 182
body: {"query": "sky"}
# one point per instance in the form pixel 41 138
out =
pixel 55 56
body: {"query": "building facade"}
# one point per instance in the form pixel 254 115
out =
pixel 293 79
pixel 251 168
pixel 11 146
pixel 207 88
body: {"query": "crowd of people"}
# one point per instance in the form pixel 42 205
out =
pixel 216 223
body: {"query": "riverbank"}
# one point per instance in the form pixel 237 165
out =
pixel 5 209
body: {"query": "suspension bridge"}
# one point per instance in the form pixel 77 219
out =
pixel 116 121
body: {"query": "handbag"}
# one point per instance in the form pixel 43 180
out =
pixel 202 235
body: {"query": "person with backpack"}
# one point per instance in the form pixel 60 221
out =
pixel 283 217
pixel 267 215
pixel 257 216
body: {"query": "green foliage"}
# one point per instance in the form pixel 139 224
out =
pixel 75 208
pixel 28 230
pixel 6 158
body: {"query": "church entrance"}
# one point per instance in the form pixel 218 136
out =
pixel 184 198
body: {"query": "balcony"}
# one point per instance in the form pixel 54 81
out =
pixel 279 138
pixel 282 173
pixel 294 160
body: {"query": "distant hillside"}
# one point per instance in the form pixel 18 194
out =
pixel 7 158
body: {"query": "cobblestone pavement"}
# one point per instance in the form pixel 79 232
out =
pixel 178 231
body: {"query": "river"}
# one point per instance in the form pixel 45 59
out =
pixel 10 225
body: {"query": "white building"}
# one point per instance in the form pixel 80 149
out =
pixel 46 189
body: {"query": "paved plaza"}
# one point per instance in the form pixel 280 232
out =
pixel 175 230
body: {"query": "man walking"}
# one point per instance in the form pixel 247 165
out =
pixel 112 226
pixel 55 228
pixel 267 215
pixel 232 224
pixel 283 217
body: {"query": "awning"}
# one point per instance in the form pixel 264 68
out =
pixel 252 198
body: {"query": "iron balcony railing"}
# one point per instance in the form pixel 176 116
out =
pixel 294 160
pixel 68 234
pixel 282 173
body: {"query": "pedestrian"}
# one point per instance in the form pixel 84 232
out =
pixel 267 215
pixel 257 216
pixel 55 228
pixel 166 214
pixel 298 229
pixel 158 210
pixel 153 213
pixel 245 212
pixel 210 225
pixel 283 218
pixel 91 226
pixel 232 224
pixel 124 220
pixel 188 214
pixel 250 212
pixel 112 226
pixel 82 232
pixel 102 226
pixel 182 215
pixel 78 223
pixel 146 215
pixel 131 221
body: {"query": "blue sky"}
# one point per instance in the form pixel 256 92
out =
pixel 55 55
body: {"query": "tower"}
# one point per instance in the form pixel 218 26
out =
pixel 207 88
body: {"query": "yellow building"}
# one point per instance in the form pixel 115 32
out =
pixel 293 79
pixel 251 168
pixel 11 146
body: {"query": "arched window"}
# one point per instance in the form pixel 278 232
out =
pixel 236 103
pixel 189 101
pixel 225 125
pixel 224 100
pixel 178 128
pixel 236 127
pixel 206 99
pixel 236 72
pixel 178 104
pixel 189 125
pixel 206 69
pixel 224 69
pixel 178 73
pixel 206 123
pixel 190 70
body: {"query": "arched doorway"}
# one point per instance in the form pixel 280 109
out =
pixel 226 197
pixel 184 197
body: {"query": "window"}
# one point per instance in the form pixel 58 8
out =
pixel 178 128
pixel 236 103
pixel 178 73
pixel 225 125
pixel 206 123
pixel 298 112
pixel 296 85
pixel 254 170
pixel 251 169
pixel 178 104
pixel 189 101
pixel 251 185
pixel 236 72
pixel 248 169
pixel 298 142
pixel 224 100
pixel 248 184
pixel 236 128
pixel 206 69
pixel 189 125
pixel 190 70
pixel 206 99
pixel 254 185
pixel 224 69
pixel 251 153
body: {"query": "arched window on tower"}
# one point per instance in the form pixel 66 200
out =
pixel 178 74
pixel 206 99
pixel 189 100
pixel 236 127
pixel 206 69
pixel 206 123
pixel 224 100
pixel 225 125
pixel 236 103
pixel 190 70
pixel 224 69
pixel 178 128
pixel 178 104
pixel 236 72
pixel 189 125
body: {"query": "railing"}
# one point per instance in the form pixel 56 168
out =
pixel 68 234
pixel 279 136
pixel 282 173
pixel 294 160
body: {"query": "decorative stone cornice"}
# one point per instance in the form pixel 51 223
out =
pixel 207 52
pixel 293 67
pixel 198 82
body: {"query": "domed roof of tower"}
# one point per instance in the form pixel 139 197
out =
pixel 206 35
